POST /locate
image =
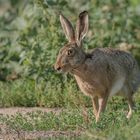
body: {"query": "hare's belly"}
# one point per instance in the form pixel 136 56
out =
pixel 93 88
pixel 117 86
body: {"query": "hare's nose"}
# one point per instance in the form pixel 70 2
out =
pixel 58 68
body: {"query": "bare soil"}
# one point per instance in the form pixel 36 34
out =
pixel 24 110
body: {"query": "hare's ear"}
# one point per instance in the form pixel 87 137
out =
pixel 68 29
pixel 82 26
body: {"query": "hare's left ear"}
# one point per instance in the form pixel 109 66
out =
pixel 81 27
pixel 67 28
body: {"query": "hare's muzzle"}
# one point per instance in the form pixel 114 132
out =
pixel 56 67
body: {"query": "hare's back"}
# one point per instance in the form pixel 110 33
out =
pixel 115 58
pixel 119 63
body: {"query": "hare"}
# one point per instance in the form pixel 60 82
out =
pixel 100 74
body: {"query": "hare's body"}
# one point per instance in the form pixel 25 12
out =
pixel 108 71
pixel 100 74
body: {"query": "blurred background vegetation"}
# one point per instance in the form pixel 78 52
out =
pixel 31 35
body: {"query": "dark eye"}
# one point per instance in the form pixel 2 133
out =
pixel 70 52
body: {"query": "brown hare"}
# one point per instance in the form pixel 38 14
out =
pixel 100 74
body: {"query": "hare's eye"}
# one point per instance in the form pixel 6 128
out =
pixel 70 52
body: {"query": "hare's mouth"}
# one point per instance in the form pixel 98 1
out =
pixel 63 69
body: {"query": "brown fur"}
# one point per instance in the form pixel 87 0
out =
pixel 100 74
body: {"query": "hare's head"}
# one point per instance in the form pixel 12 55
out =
pixel 72 54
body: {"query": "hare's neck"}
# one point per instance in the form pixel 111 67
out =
pixel 81 74
pixel 82 70
pixel 79 70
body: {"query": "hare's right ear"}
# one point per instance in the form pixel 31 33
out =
pixel 81 27
pixel 68 29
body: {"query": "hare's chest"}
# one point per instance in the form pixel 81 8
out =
pixel 86 87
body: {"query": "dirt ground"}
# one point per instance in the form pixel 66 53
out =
pixel 7 133
pixel 23 110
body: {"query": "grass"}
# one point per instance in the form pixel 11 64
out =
pixel 27 93
pixel 112 126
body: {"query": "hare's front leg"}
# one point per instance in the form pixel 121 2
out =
pixel 102 105
pixel 95 105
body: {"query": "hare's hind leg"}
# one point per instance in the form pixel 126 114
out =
pixel 129 96
pixel 131 105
